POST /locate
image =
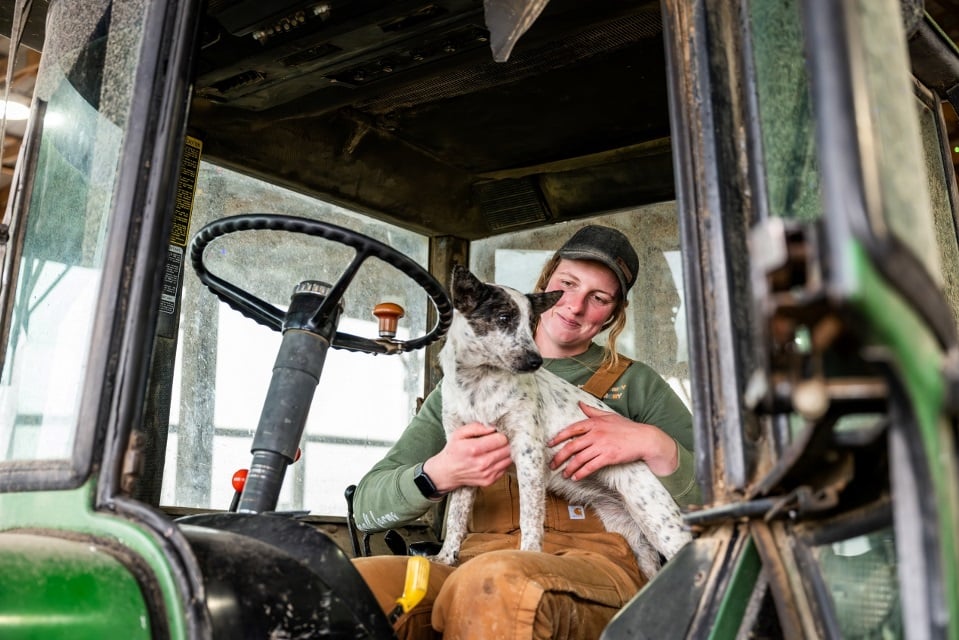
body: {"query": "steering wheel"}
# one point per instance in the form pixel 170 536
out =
pixel 299 362
pixel 268 315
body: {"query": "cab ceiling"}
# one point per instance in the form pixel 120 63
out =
pixel 398 108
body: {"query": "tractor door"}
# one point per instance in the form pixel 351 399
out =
pixel 818 206
pixel 84 235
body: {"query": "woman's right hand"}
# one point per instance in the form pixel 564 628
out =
pixel 475 455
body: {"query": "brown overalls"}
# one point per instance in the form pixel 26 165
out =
pixel 571 589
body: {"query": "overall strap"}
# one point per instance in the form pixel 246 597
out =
pixel 605 377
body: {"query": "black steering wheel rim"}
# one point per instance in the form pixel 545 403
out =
pixel 270 316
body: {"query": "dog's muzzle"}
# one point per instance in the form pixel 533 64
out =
pixel 531 362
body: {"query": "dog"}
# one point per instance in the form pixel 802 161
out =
pixel 491 374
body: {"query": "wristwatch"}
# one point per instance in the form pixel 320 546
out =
pixel 425 484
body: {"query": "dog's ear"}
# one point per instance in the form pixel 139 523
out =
pixel 540 302
pixel 466 290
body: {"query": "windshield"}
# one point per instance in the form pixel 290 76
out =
pixel 225 360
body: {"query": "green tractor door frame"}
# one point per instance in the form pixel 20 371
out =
pixel 796 149
pixel 831 434
pixel 97 185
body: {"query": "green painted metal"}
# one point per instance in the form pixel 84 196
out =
pixel 732 609
pixel 72 511
pixel 920 359
pixel 55 588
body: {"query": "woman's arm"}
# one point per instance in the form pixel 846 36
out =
pixel 386 496
pixel 475 455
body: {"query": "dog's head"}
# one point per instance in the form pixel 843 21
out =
pixel 496 327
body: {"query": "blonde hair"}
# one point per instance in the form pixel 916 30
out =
pixel 616 322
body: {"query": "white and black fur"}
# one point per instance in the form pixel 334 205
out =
pixel 492 375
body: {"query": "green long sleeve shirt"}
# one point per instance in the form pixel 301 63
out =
pixel 387 497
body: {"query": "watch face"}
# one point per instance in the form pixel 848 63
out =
pixel 424 483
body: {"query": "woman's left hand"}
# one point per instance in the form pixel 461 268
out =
pixel 606 438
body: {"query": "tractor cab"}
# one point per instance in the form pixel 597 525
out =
pixel 225 260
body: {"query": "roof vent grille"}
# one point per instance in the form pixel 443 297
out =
pixel 511 203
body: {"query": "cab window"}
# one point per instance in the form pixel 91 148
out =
pixel 656 323
pixel 84 96
pixel 225 360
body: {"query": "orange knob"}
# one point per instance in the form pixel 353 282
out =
pixel 389 315
pixel 239 479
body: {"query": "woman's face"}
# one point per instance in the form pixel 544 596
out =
pixel 590 292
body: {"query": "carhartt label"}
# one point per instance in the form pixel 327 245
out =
pixel 615 393
pixel 577 512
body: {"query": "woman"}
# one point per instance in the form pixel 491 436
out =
pixel 584 574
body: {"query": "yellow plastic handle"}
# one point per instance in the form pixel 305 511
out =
pixel 417 579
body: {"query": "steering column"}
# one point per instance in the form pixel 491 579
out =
pixel 299 363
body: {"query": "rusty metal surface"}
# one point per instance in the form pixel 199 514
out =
pixel 788 607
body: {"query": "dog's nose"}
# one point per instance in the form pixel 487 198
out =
pixel 531 362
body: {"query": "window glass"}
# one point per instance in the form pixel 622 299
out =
pixel 225 361
pixel 900 197
pixel 83 92
pixel 656 324
pixel 860 575
pixel 942 207
pixel 783 98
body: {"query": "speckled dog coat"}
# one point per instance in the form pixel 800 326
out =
pixel 492 375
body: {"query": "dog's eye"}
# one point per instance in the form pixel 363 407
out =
pixel 504 319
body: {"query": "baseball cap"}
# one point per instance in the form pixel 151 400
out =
pixel 607 246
